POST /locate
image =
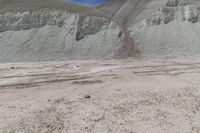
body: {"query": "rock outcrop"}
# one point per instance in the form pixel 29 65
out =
pixel 175 10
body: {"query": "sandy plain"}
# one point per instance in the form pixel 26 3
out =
pixel 100 96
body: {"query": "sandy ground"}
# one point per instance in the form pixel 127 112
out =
pixel 113 96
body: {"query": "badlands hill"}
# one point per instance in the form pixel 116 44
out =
pixel 49 30
pixel 159 28
pixel 45 30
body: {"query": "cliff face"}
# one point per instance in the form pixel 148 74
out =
pixel 52 34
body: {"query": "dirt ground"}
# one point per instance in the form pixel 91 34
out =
pixel 96 96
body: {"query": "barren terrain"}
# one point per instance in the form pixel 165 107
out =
pixel 158 93
pixel 96 96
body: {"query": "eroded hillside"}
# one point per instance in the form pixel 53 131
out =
pixel 55 32
pixel 159 28
pixel 170 32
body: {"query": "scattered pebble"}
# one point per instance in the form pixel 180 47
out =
pixel 87 96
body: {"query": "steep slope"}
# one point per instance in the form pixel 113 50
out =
pixel 127 13
pixel 52 30
pixel 159 28
pixel 171 32
pixel 45 30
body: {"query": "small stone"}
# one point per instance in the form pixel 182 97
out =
pixel 87 96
